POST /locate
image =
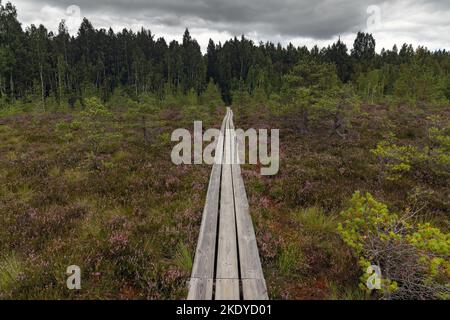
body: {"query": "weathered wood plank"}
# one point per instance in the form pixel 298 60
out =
pixel 200 289
pixel 227 275
pixel 254 289
pixel 202 277
pixel 227 289
pixel 237 260
pixel 253 283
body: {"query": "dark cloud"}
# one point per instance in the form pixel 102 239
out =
pixel 320 19
pixel 312 21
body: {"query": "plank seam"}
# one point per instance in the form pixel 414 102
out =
pixel 232 149
pixel 218 214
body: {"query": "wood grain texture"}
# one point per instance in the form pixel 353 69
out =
pixel 227 265
pixel 253 283
pixel 202 277
pixel 227 252
pixel 227 289
pixel 254 289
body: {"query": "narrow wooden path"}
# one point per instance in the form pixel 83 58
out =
pixel 227 264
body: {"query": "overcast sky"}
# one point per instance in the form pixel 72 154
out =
pixel 302 22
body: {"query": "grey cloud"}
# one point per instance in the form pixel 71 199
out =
pixel 314 21
pixel 319 19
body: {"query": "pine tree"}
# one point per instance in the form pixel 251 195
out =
pixel 211 96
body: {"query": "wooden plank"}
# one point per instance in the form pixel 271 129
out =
pixel 201 288
pixel 254 289
pixel 202 277
pixel 253 283
pixel 227 289
pixel 227 275
pixel 237 258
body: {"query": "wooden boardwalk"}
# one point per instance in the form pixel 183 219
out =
pixel 227 264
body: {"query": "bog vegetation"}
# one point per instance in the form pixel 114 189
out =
pixel 86 176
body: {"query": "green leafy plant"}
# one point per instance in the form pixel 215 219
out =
pixel 413 259
pixel 339 104
pixel 212 96
pixel 438 148
pixel 93 121
pixel 303 86
pixel 394 160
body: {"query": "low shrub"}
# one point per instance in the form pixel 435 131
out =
pixel 413 259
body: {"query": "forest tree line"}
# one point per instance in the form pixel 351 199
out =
pixel 37 64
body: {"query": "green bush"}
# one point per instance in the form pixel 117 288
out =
pixel 94 121
pixel 413 258
pixel 396 160
pixel 212 97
